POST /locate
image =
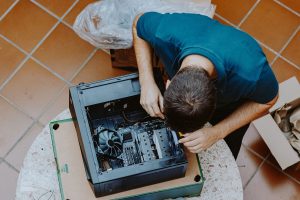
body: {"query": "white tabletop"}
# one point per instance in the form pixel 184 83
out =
pixel 38 179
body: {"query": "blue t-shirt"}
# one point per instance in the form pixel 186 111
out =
pixel 242 69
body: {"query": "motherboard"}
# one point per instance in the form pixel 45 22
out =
pixel 134 144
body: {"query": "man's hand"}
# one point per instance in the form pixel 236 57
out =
pixel 200 140
pixel 152 100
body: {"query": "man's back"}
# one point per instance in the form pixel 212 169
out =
pixel 239 61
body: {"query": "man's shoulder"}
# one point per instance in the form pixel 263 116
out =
pixel 146 25
pixel 150 15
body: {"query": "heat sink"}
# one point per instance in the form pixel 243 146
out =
pixel 109 143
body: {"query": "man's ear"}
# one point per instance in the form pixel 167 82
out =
pixel 168 83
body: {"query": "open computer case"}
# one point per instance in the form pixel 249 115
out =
pixel 122 146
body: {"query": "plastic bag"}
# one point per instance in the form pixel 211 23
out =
pixel 107 24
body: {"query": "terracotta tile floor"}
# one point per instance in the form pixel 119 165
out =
pixel 40 57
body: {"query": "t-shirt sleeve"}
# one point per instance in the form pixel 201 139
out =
pixel 147 25
pixel 266 87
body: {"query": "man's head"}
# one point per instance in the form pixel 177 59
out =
pixel 190 99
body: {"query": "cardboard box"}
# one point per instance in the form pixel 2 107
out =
pixel 123 58
pixel 74 185
pixel 289 92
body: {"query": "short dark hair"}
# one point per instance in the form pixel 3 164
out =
pixel 190 99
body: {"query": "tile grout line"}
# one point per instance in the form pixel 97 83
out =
pixel 254 152
pixel 15 106
pixel 36 47
pixel 268 162
pixel 287 7
pixel 278 169
pixel 288 61
pixel 286 43
pixel 14 72
pixel 28 56
pixel 33 58
pixel 35 121
pixel 224 19
pixel 61 19
pixel 53 14
pixel 11 166
pixel 9 9
pixel 68 85
pixel 50 70
pixel 41 124
pixel 26 130
pixel 248 13
pixel 50 104
pixel 65 14
pixel 69 26
pixel 105 50
pixel 270 49
pixel 262 44
pixel 37 60
pixel 256 171
pixel 15 45
pixel 84 64
pixel 19 139
pixel 277 55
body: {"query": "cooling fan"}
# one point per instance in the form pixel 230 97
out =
pixel 108 142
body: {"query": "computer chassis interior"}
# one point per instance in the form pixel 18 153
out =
pixel 122 146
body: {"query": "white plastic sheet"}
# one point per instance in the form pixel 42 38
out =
pixel 107 24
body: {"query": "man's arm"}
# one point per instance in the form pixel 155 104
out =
pixel 205 137
pixel 151 98
pixel 246 113
pixel 143 53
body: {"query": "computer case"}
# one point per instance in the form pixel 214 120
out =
pixel 122 146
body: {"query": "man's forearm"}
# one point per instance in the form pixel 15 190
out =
pixel 203 138
pixel 143 53
pixel 246 113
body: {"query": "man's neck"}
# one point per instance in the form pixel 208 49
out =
pixel 199 61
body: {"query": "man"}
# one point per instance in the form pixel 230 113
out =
pixel 218 74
